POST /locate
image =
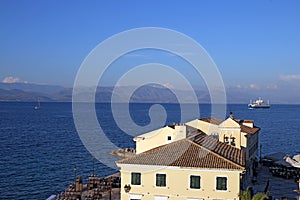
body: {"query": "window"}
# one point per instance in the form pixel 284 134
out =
pixel 195 182
pixel 221 183
pixel 226 139
pixel 161 180
pixel 232 141
pixel 169 138
pixel 135 178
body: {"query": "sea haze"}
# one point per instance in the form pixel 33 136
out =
pixel 40 147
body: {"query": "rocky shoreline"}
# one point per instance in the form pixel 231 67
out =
pixel 123 153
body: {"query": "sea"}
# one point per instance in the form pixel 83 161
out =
pixel 40 148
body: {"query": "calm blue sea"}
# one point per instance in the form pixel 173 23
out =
pixel 40 147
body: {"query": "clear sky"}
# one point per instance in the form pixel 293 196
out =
pixel 255 44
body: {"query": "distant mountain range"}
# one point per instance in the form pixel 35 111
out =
pixel 30 92
pixel 148 93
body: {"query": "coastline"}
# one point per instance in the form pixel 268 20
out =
pixel 278 187
pixel 123 153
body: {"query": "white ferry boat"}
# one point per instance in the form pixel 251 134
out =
pixel 259 103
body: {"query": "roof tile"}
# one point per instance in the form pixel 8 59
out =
pixel 183 153
pixel 225 150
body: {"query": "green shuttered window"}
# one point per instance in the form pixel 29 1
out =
pixel 161 180
pixel 221 183
pixel 195 182
pixel 135 178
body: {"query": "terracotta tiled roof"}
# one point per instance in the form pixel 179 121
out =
pixel 183 153
pixel 249 130
pixel 225 150
pixel 244 120
pixel 245 129
pixel 212 120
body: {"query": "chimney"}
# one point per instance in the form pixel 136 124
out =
pixel 180 131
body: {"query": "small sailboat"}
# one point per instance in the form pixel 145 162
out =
pixel 38 105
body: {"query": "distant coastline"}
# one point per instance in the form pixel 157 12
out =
pixel 27 92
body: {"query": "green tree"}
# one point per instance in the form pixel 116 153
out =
pixel 246 195
pixel 259 196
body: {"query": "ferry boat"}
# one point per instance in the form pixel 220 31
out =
pixel 259 103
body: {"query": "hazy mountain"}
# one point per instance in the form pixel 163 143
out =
pixel 20 95
pixel 148 93
pixel 30 87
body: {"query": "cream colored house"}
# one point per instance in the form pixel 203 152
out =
pixel 202 159
pixel 241 134
pixel 160 137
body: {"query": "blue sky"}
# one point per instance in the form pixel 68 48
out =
pixel 255 44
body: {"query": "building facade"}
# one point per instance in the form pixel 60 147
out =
pixel 202 159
